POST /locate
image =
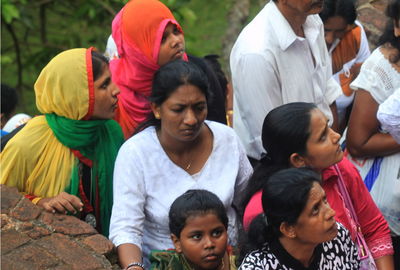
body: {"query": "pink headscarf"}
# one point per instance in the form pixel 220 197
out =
pixel 137 31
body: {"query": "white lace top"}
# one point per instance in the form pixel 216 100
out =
pixel 389 115
pixel 146 182
pixel 377 76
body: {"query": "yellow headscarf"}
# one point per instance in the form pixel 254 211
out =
pixel 34 161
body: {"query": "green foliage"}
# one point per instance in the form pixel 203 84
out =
pixel 35 31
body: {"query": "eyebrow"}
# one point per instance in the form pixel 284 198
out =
pixel 324 131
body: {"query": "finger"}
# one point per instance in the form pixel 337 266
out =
pixel 75 202
pixel 58 206
pixel 67 206
pixel 48 208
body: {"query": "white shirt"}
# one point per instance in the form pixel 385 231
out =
pixel 271 66
pixel 146 182
pixel 389 115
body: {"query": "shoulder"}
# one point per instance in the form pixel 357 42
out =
pixel 260 259
pixel 142 141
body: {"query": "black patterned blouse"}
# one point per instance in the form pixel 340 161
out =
pixel 339 253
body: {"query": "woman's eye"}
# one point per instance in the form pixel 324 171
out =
pixel 315 210
pixel 177 110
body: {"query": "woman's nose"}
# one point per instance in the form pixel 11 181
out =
pixel 335 136
pixel 330 213
pixel 115 89
pixel 190 118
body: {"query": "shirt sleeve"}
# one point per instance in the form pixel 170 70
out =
pixel 126 225
pixel 373 225
pixel 257 90
pixel 333 90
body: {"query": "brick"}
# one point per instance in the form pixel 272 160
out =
pixel 9 198
pixel 15 264
pixel 67 224
pixel 12 239
pixel 25 226
pixel 99 244
pixel 70 252
pixel 25 211
pixel 34 256
pixel 38 232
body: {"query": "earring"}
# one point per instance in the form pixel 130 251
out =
pixel 157 116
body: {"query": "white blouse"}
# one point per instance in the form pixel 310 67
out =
pixel 389 115
pixel 378 77
pixel 146 182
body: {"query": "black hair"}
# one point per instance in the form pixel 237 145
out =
pixel 393 12
pixel 169 78
pixel 213 62
pixel 285 131
pixel 195 202
pixel 9 100
pixel 284 198
pixel 343 8
pixel 98 61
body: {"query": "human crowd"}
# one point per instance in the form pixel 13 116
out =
pixel 135 142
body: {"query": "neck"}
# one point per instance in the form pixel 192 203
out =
pixel 294 18
pixel 300 251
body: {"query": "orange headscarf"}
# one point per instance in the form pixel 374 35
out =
pixel 137 31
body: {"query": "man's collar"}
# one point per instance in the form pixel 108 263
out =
pixel 284 32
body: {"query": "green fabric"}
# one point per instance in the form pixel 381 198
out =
pixel 99 141
pixel 168 260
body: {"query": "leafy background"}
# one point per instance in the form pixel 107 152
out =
pixel 35 31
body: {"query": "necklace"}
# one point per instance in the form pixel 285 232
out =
pixel 188 166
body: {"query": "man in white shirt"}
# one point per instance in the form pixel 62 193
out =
pixel 280 57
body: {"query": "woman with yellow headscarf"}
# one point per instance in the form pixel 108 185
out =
pixel 63 160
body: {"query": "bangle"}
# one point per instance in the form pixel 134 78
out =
pixel 229 112
pixel 141 265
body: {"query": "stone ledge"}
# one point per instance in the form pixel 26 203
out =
pixel 34 239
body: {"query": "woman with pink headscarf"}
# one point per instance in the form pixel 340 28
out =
pixel 147 36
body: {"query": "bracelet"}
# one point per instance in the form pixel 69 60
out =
pixel 229 112
pixel 141 265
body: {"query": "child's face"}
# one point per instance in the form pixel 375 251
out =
pixel 203 241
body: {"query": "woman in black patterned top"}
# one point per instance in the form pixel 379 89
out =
pixel 298 229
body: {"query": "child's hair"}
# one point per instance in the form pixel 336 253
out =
pixel 284 197
pixel 195 202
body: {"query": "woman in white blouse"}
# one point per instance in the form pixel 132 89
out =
pixel 377 154
pixel 176 150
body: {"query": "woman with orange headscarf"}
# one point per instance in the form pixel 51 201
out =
pixel 147 36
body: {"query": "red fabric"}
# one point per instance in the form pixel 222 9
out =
pixel 137 31
pixel 253 209
pixel 89 69
pixel 373 225
pixel 30 196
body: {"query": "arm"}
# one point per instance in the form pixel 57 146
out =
pixel 373 225
pixel 61 203
pixel 363 136
pixel 128 253
pixel 126 225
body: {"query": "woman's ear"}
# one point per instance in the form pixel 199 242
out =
pixel 287 230
pixel 297 161
pixel 177 243
pixel 156 110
